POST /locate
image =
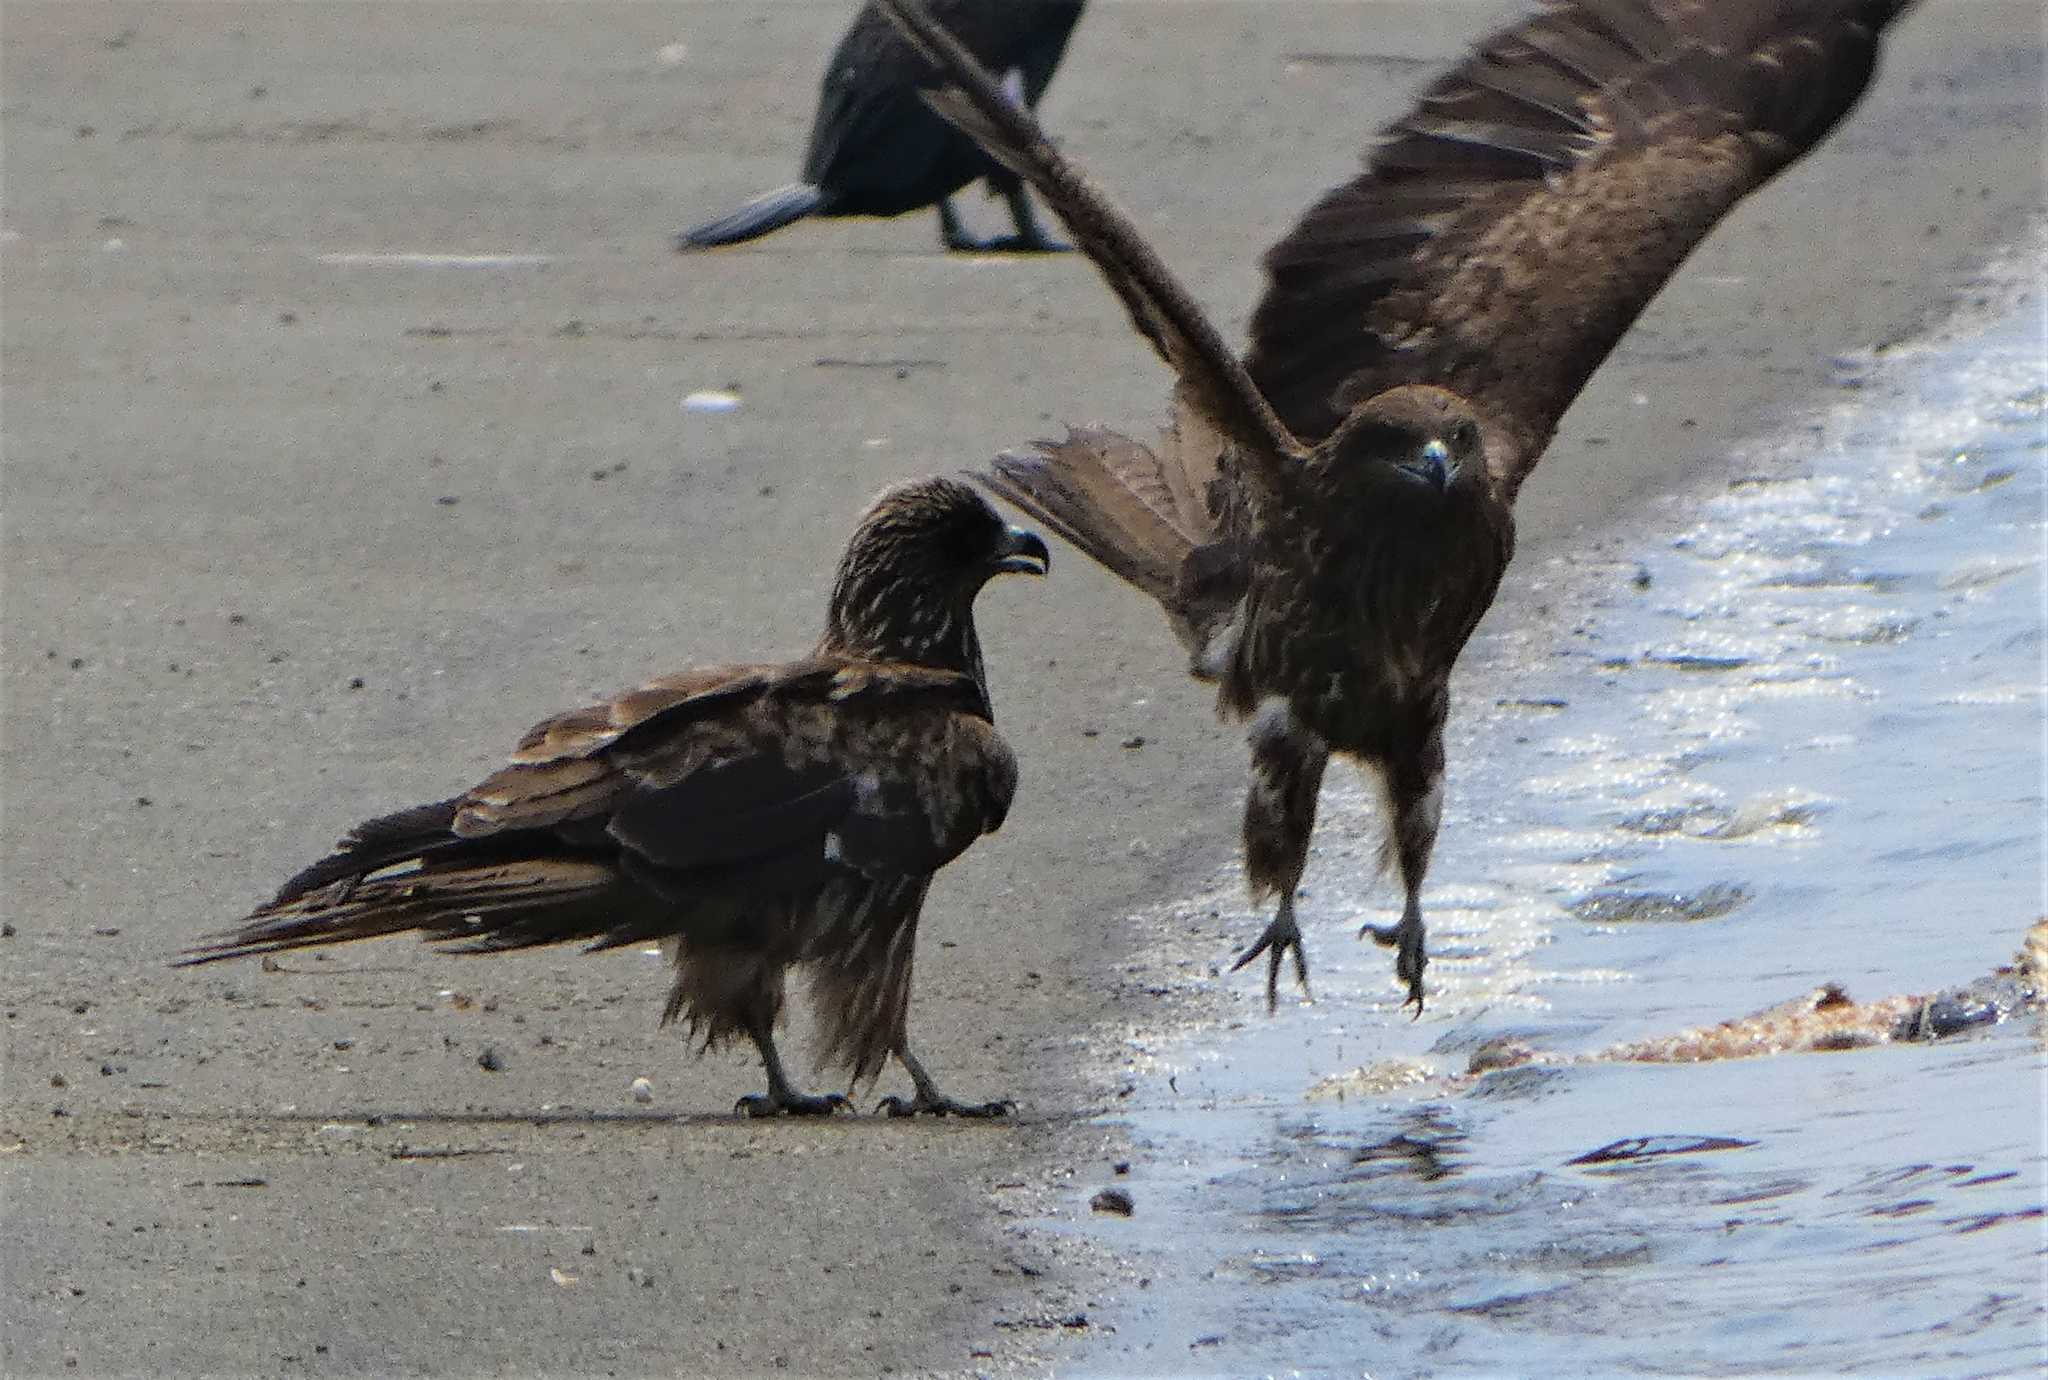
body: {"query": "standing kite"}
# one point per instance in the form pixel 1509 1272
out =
pixel 755 817
pixel 1326 521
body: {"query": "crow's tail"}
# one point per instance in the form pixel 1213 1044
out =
pixel 767 212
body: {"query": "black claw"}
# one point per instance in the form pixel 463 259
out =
pixel 1409 962
pixel 1008 244
pixel 944 1106
pixel 797 1104
pixel 1278 940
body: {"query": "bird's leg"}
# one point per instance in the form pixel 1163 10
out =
pixel 1281 937
pixel 1406 939
pixel 781 1098
pixel 1415 790
pixel 1279 816
pixel 929 1099
pixel 952 232
pixel 1031 236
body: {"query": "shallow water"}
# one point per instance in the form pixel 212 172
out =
pixel 1793 737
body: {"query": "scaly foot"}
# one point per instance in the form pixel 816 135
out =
pixel 1281 937
pixel 791 1104
pixel 941 1105
pixel 1409 959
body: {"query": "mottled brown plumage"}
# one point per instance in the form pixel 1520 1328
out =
pixel 876 149
pixel 756 817
pixel 1326 521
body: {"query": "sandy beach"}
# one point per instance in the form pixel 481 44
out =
pixel 344 362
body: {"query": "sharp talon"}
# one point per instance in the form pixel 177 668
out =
pixel 946 1106
pixel 1276 943
pixel 798 1104
pixel 1265 941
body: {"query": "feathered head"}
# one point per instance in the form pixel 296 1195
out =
pixel 907 583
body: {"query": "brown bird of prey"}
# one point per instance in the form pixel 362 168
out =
pixel 878 150
pixel 1326 520
pixel 755 817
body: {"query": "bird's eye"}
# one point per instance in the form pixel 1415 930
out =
pixel 1464 434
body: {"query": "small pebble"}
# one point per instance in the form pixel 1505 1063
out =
pixel 643 1091
pixel 711 400
pixel 1116 1201
pixel 489 1061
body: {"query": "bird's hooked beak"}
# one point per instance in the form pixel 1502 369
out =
pixel 1431 465
pixel 1022 552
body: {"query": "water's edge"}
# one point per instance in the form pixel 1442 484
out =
pixel 1785 731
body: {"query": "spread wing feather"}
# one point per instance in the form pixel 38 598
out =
pixel 1507 232
pixel 1161 309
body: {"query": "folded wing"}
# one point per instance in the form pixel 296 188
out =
pixel 695 806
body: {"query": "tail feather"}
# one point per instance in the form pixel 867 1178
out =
pixel 377 843
pixel 490 905
pixel 767 212
pixel 1101 492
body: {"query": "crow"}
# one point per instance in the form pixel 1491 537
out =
pixel 754 817
pixel 878 150
pixel 1326 520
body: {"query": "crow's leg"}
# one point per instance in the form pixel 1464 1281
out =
pixel 1279 817
pixel 930 1100
pixel 953 232
pixel 781 1098
pixel 1031 236
pixel 1415 794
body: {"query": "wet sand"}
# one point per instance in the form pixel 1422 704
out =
pixel 297 531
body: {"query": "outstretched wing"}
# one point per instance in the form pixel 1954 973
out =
pixel 1507 232
pixel 1161 309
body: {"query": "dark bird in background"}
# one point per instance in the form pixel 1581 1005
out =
pixel 1326 521
pixel 754 817
pixel 878 150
